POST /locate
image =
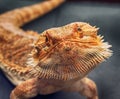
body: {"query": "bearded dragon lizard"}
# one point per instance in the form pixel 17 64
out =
pixel 57 59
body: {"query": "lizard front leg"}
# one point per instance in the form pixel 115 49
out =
pixel 25 90
pixel 85 87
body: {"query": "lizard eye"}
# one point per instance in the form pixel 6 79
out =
pixel 46 39
pixel 79 29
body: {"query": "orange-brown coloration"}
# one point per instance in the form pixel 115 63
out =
pixel 80 53
pixel 57 59
pixel 23 15
pixel 16 44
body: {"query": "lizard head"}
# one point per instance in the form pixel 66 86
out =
pixel 69 51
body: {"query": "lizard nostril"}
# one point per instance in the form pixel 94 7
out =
pixel 37 49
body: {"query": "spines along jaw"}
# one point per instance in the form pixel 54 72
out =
pixel 69 52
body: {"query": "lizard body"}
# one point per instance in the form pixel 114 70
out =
pixel 57 59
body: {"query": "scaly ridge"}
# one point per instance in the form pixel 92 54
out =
pixel 20 16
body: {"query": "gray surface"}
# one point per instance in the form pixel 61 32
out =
pixel 105 16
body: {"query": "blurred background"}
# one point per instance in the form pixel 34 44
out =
pixel 104 14
pixel 113 1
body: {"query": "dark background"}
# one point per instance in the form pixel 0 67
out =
pixel 105 15
pixel 109 1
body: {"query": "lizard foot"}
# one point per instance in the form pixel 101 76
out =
pixel 85 87
pixel 25 90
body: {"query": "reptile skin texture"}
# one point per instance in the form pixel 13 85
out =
pixel 57 59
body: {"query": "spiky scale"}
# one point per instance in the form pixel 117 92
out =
pixel 56 59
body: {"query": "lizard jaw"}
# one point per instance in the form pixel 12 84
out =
pixel 73 54
pixel 70 65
